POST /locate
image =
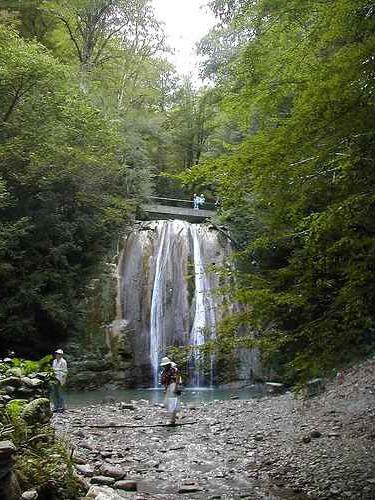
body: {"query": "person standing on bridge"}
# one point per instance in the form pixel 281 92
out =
pixel 202 200
pixel 195 201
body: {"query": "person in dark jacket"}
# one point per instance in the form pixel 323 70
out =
pixel 171 379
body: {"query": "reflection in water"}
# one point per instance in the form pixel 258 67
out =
pixel 190 395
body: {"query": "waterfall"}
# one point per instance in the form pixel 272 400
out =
pixel 168 294
pixel 204 316
pixel 157 303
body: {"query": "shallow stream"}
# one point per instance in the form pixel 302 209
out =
pixel 189 395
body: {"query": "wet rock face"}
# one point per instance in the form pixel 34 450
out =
pixel 278 447
pixel 166 270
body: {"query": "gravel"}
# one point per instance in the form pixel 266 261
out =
pixel 256 449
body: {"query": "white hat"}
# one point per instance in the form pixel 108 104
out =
pixel 59 351
pixel 165 361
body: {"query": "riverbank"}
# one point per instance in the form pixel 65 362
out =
pixel 274 448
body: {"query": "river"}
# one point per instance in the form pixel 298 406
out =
pixel 190 395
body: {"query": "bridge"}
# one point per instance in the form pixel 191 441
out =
pixel 173 208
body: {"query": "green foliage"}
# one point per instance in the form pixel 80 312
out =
pixel 50 469
pixel 60 169
pixel 297 189
pixel 42 461
pixel 27 367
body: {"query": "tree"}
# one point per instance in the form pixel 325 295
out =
pixel 62 195
pixel 97 27
pixel 298 188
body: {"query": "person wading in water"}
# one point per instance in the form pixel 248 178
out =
pixel 171 380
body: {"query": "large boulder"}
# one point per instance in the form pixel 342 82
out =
pixel 33 383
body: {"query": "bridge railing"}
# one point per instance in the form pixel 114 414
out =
pixel 175 202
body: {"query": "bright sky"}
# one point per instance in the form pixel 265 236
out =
pixel 186 22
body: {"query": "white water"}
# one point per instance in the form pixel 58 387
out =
pixel 204 318
pixel 157 302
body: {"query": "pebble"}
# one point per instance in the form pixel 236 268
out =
pixel 189 488
pixel 103 480
pixel 315 434
pixel 238 447
pixel 29 495
pixel 85 469
pixel 112 471
pixel 126 406
pixel 126 485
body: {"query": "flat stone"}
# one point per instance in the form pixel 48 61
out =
pixel 189 488
pixel 126 406
pixel 86 470
pixel 87 445
pixel 112 471
pixel 29 495
pixel 104 480
pixel 315 434
pixel 31 382
pixel 103 493
pixel 126 485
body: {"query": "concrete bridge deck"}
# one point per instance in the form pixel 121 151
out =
pixel 162 208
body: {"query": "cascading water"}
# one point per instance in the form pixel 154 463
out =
pixel 204 317
pixel 157 303
pixel 168 294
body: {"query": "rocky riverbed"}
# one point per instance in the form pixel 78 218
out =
pixel 273 448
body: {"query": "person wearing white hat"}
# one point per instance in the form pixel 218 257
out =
pixel 60 368
pixel 170 379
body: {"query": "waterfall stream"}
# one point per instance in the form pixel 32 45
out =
pixel 204 316
pixel 168 294
pixel 157 302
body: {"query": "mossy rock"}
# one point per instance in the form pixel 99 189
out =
pixel 15 372
pixel 16 406
pixel 10 382
pixel 37 412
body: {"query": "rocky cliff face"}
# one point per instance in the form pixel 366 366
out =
pixel 170 293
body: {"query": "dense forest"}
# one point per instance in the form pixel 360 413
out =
pixel 94 119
